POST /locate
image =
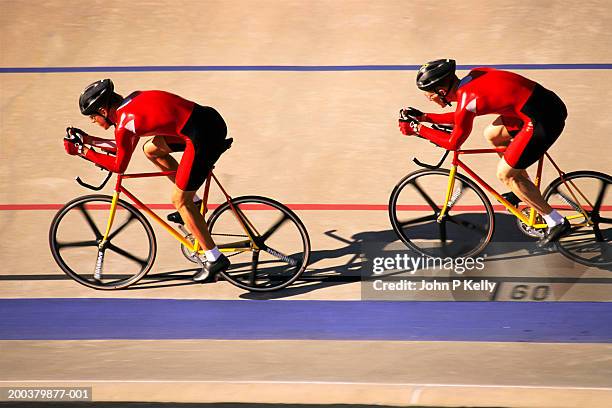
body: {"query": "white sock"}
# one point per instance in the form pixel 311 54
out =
pixel 213 254
pixel 554 218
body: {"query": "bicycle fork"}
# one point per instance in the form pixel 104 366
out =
pixel 450 198
pixel 103 243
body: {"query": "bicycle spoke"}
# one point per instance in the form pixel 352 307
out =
pixel 569 201
pixel 250 229
pixel 274 227
pixel 431 217
pixel 466 224
pixel 426 196
pixel 603 220
pixel 442 229
pixel 125 263
pixel 598 235
pixel 255 262
pixel 281 256
pixel 264 254
pixel 126 254
pixel 131 218
pixel 600 197
pixel 90 221
pixel 61 245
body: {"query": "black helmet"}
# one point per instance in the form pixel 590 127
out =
pixel 434 73
pixel 96 96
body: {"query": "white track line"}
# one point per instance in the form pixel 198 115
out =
pixel 536 387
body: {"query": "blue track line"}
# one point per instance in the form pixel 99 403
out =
pixel 64 319
pixel 295 68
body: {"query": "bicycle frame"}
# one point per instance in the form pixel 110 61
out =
pixel 248 227
pixel 531 219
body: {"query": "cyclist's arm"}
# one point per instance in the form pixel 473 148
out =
pixel 447 118
pixel 107 145
pixel 126 143
pixel 463 126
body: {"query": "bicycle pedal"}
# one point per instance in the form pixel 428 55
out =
pixel 512 198
pixel 176 218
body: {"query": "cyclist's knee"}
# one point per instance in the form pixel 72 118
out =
pixel 156 148
pixel 149 150
pixel 496 136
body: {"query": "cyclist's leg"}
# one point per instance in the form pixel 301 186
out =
pixel 526 148
pixel 501 132
pixel 195 165
pixel 206 131
pixel 520 184
pixel 194 220
pixel 158 150
pixel 191 174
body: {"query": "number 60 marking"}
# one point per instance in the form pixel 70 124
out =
pixel 520 292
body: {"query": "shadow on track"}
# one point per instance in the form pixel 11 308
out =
pixel 507 244
pixel 503 247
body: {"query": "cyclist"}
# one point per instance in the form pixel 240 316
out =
pixel 176 124
pixel 530 119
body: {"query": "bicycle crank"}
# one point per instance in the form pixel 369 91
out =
pixel 530 231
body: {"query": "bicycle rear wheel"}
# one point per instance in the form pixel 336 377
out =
pixel 78 228
pixel 588 244
pixel 276 255
pixel 416 202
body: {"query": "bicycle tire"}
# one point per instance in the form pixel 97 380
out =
pixel 300 258
pixel 400 230
pixel 79 203
pixel 602 251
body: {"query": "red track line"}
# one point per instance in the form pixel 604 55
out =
pixel 303 207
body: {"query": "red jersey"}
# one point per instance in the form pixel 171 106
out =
pixel 483 91
pixel 144 113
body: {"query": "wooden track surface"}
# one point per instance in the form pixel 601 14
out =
pixel 300 137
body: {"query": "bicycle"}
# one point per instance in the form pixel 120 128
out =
pixel 464 230
pixel 261 262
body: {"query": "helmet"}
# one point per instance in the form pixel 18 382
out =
pixel 95 96
pixel 434 73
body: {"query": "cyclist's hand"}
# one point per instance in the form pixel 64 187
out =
pixel 411 113
pixel 409 127
pixel 75 134
pixel 72 147
pixel 73 141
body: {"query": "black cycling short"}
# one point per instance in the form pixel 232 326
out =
pixel 531 140
pixel 206 131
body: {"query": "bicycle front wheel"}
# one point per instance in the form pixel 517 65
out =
pixel 416 202
pixel 590 241
pixel 266 242
pixel 78 228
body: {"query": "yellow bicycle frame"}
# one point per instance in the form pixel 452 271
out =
pixel 240 246
pixel 529 221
